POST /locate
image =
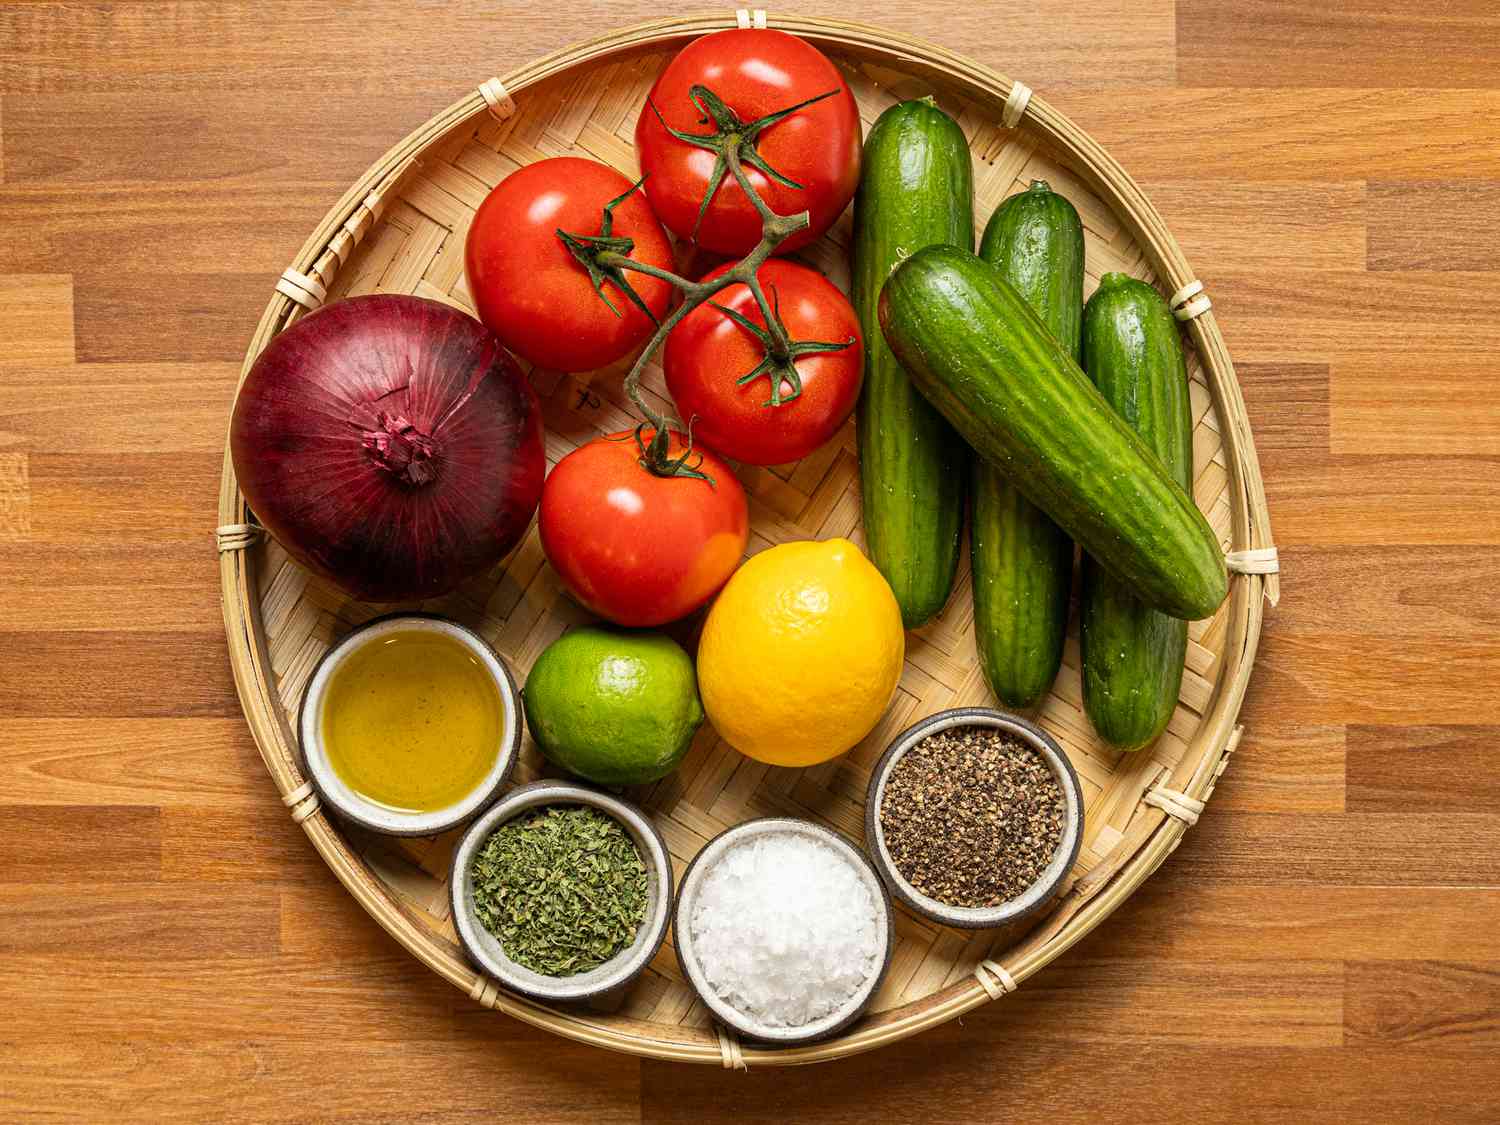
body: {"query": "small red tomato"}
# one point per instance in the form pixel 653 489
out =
pixel 753 74
pixel 708 353
pixel 531 291
pixel 634 547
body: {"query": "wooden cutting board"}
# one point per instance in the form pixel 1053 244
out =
pixel 172 945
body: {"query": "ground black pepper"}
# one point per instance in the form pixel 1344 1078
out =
pixel 972 816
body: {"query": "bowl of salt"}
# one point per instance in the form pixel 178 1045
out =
pixel 784 930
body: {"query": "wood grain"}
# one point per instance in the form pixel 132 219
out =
pixel 95 500
pixel 276 1078
pixel 56 138
pixel 1443 768
pixel 124 322
pixel 104 408
pixel 1438 1003
pixel 126 761
pixel 127 586
pixel 1408 848
pixel 1434 592
pixel 1449 500
pixel 1433 226
pixel 1297 225
pixel 1374 43
pixel 36 319
pixel 114 674
pixel 139 921
pixel 1291 768
pixel 1276 1084
pixel 1286 134
pixel 121 226
pixel 1295 418
pixel 1323 943
pixel 1414 403
pixel 101 844
pixel 213 47
pixel 1309 313
pixel 209 843
pixel 1307 923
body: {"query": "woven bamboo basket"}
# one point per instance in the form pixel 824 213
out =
pixel 401 228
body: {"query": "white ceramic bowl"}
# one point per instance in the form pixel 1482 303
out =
pixel 337 795
pixel 687 898
pixel 485 950
pixel 1051 879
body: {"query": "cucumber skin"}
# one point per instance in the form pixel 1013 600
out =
pixel 1132 654
pixel 973 346
pixel 916 188
pixel 1021 560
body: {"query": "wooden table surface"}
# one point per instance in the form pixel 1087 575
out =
pixel 1326 942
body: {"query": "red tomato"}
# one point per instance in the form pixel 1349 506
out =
pixel 637 548
pixel 530 290
pixel 707 353
pixel 754 73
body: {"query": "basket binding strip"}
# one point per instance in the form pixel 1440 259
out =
pixel 400 227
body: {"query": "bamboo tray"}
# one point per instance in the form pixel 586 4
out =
pixel 401 228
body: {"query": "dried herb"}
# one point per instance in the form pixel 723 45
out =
pixel 563 889
pixel 972 816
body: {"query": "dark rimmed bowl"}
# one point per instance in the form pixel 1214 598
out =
pixel 687 892
pixel 1045 888
pixel 484 948
pixel 336 794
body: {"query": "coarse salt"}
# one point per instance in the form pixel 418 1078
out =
pixel 785 929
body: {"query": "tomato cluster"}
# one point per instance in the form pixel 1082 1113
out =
pixel 570 265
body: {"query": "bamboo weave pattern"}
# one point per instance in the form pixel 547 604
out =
pixel 414 244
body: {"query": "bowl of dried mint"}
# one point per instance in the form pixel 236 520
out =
pixel 561 892
pixel 974 818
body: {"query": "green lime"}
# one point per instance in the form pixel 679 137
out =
pixel 617 708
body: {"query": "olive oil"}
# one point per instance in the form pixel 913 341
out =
pixel 412 721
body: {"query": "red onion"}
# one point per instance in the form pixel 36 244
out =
pixel 390 444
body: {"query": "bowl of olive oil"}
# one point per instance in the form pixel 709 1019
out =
pixel 410 725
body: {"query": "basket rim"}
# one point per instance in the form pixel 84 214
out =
pixel 1094 896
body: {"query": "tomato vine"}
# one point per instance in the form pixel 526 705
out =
pixel 606 257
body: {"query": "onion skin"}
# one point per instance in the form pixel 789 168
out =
pixel 390 444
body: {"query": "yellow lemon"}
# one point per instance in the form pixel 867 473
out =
pixel 801 653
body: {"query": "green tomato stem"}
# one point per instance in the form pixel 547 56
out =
pixel 775 229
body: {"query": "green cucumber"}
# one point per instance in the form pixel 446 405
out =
pixel 1022 561
pixel 973 346
pixel 1133 654
pixel 916 189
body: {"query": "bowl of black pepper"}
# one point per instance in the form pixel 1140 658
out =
pixel 974 818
